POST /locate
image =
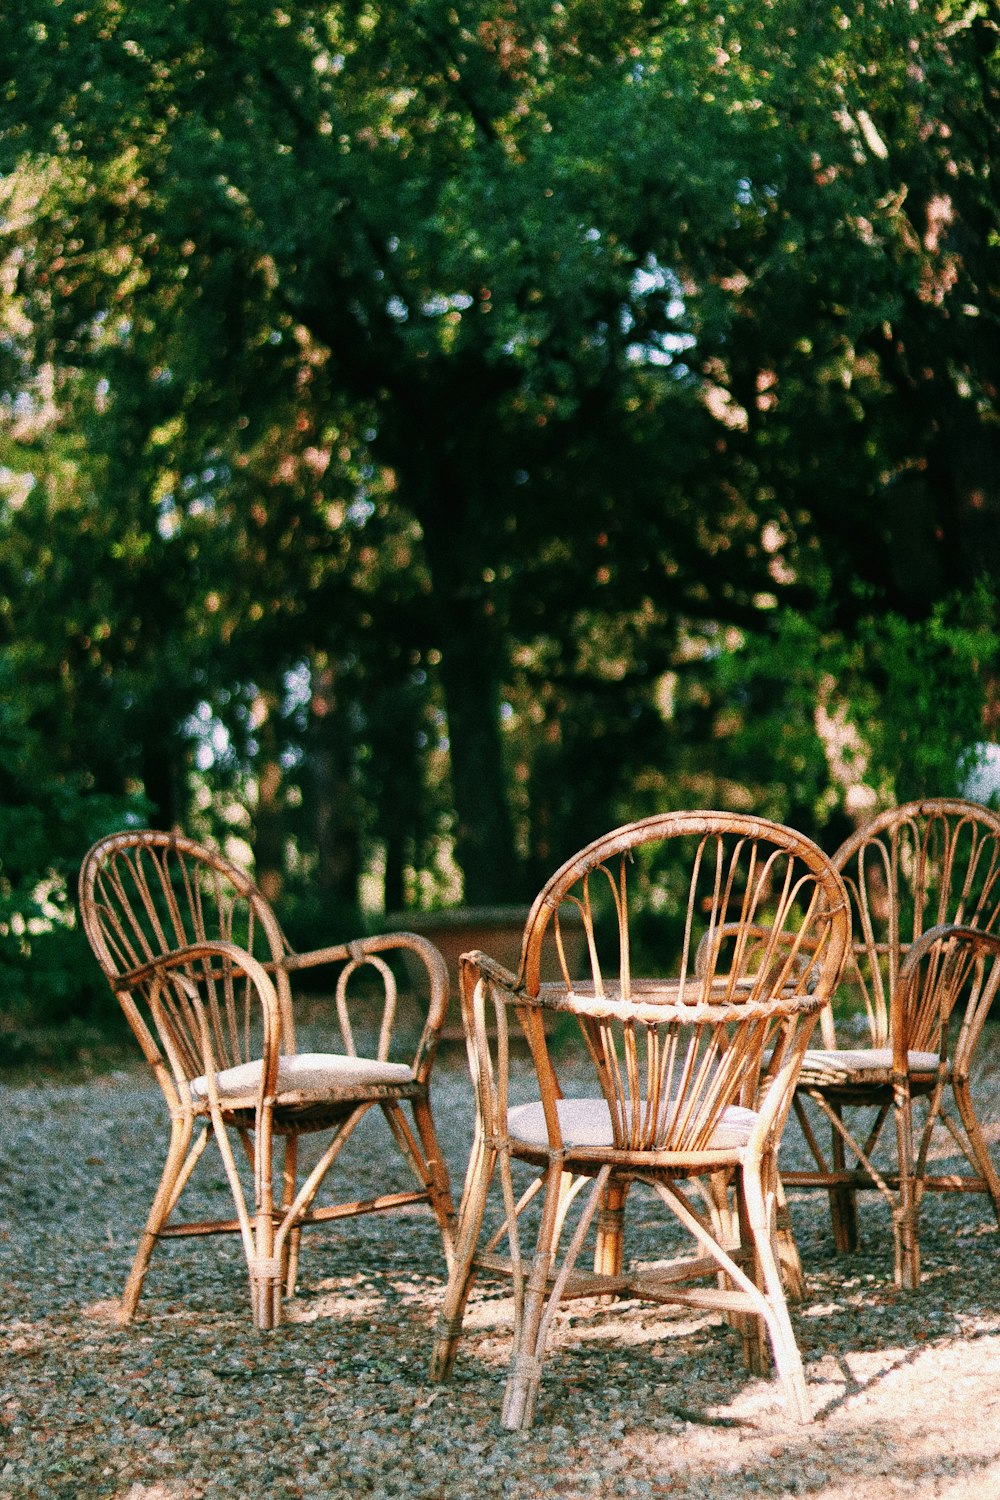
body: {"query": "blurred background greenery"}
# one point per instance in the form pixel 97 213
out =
pixel 431 435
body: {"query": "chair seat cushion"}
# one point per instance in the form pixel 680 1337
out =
pixel 312 1075
pixel 860 1064
pixel 587 1123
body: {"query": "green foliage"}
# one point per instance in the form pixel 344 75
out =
pixel 48 819
pixel 770 689
pixel 810 718
pixel 587 407
pixel 916 692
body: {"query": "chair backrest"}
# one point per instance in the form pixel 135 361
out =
pixel 145 895
pixel 910 869
pixel 713 940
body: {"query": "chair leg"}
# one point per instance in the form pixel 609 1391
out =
pixel 525 1371
pixel 265 1277
pixel 907 1215
pixel 426 1163
pixel 729 1229
pixel 482 1163
pixel 751 1327
pixel 843 1200
pixel 438 1181
pixel 609 1245
pixel 760 1192
pixel 265 1266
pixel 257 1230
pixel 292 1243
pixel 789 1259
pixel 176 1170
pixel 977 1141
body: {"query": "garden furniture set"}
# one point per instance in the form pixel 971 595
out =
pixel 669 1059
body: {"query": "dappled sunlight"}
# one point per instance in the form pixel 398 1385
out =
pixel 103 1312
pixel 627 1327
pixel 178 1491
pixel 882 1429
pixel 333 1305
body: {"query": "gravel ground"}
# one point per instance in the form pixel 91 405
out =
pixel 190 1404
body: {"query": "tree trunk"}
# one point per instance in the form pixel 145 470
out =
pixel 395 865
pixel 333 811
pixel 268 840
pixel 159 776
pixel 484 836
pixel 396 715
pixel 442 449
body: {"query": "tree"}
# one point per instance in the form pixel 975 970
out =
pixel 623 308
pixel 48 818
pixel 404 155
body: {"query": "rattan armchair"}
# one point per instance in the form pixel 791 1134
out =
pixel 204 975
pixel 924 885
pixel 689 1068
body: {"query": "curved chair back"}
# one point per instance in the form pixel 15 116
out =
pixel 145 895
pixel 709 937
pixel 911 869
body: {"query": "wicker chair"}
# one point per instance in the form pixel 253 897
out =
pixel 675 1092
pixel 203 973
pixel 924 884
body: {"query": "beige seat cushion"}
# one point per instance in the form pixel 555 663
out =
pixel 587 1122
pixel 310 1075
pixel 860 1064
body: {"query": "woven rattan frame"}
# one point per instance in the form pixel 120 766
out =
pixel 204 974
pixel 924 885
pixel 676 1058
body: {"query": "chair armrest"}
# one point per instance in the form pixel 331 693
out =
pixel 371 950
pixel 952 959
pixel 759 937
pixel 489 968
pixel 707 954
pixel 949 932
pixel 473 967
pixel 177 957
pixel 152 976
pixel 488 1050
